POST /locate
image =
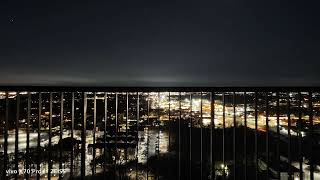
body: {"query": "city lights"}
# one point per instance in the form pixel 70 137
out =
pixel 156 128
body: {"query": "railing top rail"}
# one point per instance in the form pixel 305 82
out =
pixel 157 89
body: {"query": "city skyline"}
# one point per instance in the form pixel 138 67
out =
pixel 104 125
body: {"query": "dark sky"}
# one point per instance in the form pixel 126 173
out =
pixel 160 43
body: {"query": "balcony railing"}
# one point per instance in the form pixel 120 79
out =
pixel 160 133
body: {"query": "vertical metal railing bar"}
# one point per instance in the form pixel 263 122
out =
pixel 158 136
pixel 72 136
pixel 105 134
pixel 289 136
pixel 137 138
pixel 212 164
pixel 116 137
pixel 94 133
pixel 39 134
pixel 61 133
pixel 28 136
pixel 234 135
pixel 17 136
pixel 245 135
pixel 190 139
pixel 300 136
pixel 256 132
pixel 311 135
pixel 148 124
pixel 267 133
pixel 179 140
pixel 83 138
pixel 201 138
pixel 223 134
pixel 169 123
pixel 50 134
pixel 278 133
pixel 127 117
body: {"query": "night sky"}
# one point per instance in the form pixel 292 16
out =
pixel 160 43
